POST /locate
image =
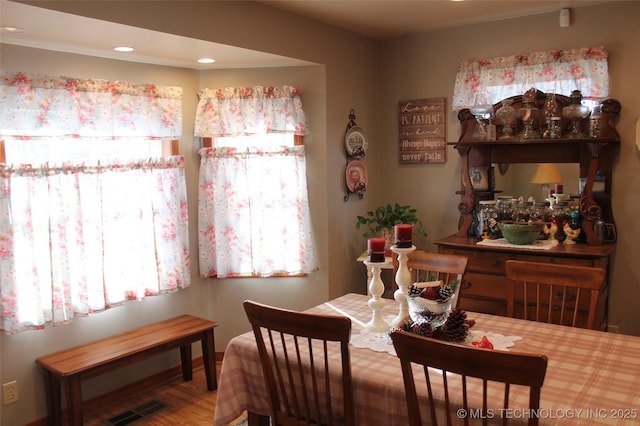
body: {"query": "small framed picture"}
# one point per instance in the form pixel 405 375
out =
pixel 479 178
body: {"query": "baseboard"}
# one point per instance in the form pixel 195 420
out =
pixel 130 390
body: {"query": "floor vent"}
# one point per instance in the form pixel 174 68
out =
pixel 133 415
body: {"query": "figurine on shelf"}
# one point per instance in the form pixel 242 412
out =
pixel 551 230
pixel 570 233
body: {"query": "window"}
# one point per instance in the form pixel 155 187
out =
pixel 253 207
pixel 90 214
pixel 557 71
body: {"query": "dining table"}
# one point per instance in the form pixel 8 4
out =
pixel 593 377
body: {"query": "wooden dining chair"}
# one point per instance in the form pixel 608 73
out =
pixel 554 293
pixel 426 266
pixel 299 353
pixel 464 371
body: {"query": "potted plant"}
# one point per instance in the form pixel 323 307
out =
pixel 380 222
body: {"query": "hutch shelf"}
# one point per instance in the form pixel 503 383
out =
pixel 484 287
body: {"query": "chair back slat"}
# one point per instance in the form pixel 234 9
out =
pixel 299 353
pixel 458 362
pixel 555 293
pixel 426 266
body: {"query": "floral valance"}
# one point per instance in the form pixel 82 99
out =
pixel 558 71
pixel 43 106
pixel 237 111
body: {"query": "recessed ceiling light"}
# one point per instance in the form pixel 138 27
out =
pixel 123 49
pixel 12 30
pixel 206 60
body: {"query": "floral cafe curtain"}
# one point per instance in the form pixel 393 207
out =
pixel 253 211
pixel 557 71
pixel 249 111
pixel 43 106
pixel 77 238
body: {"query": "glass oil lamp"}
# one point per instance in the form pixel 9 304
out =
pixel 528 113
pixel 507 115
pixel 575 112
pixel 482 111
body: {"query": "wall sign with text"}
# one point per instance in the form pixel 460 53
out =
pixel 422 131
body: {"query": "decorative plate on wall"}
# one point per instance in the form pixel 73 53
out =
pixel 357 176
pixel 355 142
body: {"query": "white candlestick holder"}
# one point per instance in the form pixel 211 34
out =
pixel 376 288
pixel 403 279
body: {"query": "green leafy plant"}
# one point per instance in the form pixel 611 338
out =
pixel 386 217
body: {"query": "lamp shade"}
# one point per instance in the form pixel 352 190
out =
pixel 546 173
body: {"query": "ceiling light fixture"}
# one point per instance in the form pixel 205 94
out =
pixel 206 60
pixel 123 49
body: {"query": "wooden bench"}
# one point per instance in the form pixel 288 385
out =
pixel 70 366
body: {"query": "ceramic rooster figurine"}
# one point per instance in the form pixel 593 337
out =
pixel 551 230
pixel 570 233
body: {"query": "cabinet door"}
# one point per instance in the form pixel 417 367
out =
pixel 483 261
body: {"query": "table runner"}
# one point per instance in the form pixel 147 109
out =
pixel 381 342
pixel 593 378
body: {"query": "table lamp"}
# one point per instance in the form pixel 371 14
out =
pixel 546 174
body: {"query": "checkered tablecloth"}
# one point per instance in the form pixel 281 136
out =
pixel 593 378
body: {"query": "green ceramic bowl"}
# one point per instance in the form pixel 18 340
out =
pixel 520 234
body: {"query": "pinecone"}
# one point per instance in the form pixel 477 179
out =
pixel 455 329
pixel 414 291
pixel 404 325
pixel 445 292
pixel 422 328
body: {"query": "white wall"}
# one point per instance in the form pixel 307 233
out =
pixel 344 79
pixel 424 66
pixel 353 72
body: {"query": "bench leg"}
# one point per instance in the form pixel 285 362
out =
pixel 186 362
pixel 73 393
pixel 209 359
pixel 52 388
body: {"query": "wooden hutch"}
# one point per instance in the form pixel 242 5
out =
pixel 484 286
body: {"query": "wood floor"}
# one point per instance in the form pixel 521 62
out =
pixel 189 403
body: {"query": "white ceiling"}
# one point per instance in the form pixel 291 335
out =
pixel 380 19
pixel 52 30
pixel 376 19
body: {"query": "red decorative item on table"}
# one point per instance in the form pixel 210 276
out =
pixel 403 235
pixel 483 343
pixel 375 249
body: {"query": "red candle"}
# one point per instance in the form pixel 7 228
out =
pixel 404 235
pixel 375 248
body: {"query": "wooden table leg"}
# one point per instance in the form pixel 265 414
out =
pixel 186 362
pixel 73 391
pixel 209 359
pixel 52 389
pixel 254 419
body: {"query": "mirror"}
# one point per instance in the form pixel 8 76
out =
pixel 516 181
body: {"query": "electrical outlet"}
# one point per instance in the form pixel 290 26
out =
pixel 10 392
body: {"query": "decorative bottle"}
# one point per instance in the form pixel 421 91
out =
pixel 540 213
pixel 487 217
pixel 552 118
pixel 595 120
